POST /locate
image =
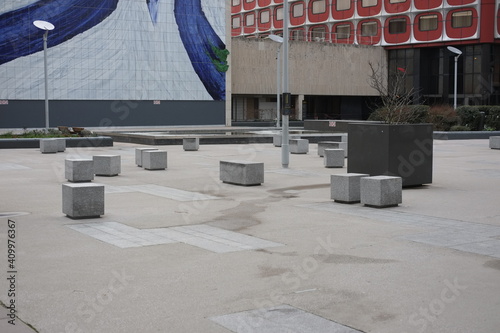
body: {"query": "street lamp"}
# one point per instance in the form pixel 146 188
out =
pixel 278 39
pixel 285 155
pixel 457 53
pixel 46 26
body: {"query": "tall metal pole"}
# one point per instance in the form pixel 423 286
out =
pixel 285 156
pixel 278 86
pixel 46 79
pixel 455 83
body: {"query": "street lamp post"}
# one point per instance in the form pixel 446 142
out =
pixel 285 155
pixel 278 39
pixel 457 53
pixel 46 26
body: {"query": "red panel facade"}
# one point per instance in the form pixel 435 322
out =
pixel 370 10
pixel 461 32
pixel 318 16
pixel 264 3
pixel 398 7
pixel 277 24
pixel 427 4
pixel 397 37
pixel 236 7
pixel 342 14
pixel 249 25
pixel 343 38
pixel 371 39
pixel 297 13
pixel 249 4
pixel 460 2
pixel 423 34
pixel 264 19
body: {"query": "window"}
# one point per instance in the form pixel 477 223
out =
pixel 369 29
pixel 343 5
pixel 397 26
pixel 428 22
pixel 318 6
pixel 236 2
pixel 318 33
pixel 250 20
pixel 298 10
pixel 264 17
pixel 397 1
pixel 343 31
pixel 249 1
pixel 297 34
pixel 461 19
pixel 368 3
pixel 236 22
pixel 279 13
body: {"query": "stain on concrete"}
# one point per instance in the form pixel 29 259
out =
pixel 495 264
pixel 348 259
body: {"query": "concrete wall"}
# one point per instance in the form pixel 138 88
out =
pixel 314 68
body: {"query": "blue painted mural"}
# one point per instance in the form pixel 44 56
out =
pixel 122 54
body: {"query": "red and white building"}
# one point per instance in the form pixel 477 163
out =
pixel 414 32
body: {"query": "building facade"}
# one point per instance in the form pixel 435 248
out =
pixel 415 33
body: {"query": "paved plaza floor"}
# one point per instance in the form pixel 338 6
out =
pixel 177 250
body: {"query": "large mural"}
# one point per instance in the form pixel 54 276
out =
pixel 114 49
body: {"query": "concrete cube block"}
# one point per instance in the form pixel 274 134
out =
pixel 299 146
pixel 278 138
pixel 327 145
pixel 381 191
pixel 138 155
pixel 495 142
pixel 191 144
pixel 107 165
pixel 61 144
pixel 242 172
pixel 79 170
pixel 49 146
pixel 154 159
pixel 333 158
pixel 83 200
pixel 345 188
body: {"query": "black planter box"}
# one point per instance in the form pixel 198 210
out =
pixel 392 150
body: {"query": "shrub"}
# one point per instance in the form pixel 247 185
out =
pixel 443 117
pixel 492 120
pixel 459 128
pixel 470 116
pixel 408 114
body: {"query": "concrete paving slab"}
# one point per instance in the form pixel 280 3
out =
pixel 349 265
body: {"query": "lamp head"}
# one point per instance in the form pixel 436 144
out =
pixel 43 25
pixel 454 50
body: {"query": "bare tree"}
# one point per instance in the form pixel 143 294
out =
pixel 395 98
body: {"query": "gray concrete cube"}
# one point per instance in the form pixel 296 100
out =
pixel 327 145
pixel 278 138
pixel 345 188
pixel 49 146
pixel 381 191
pixel 298 146
pixel 242 172
pixel 138 155
pixel 83 200
pixel 79 170
pixel 154 159
pixel 495 142
pixel 107 165
pixel 61 144
pixel 333 158
pixel 191 144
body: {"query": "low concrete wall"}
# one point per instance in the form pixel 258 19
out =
pixel 98 141
pixel 466 135
pixel 332 125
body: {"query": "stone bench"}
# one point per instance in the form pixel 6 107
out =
pixel 138 155
pixel 191 144
pixel 298 146
pixel 79 170
pixel 278 138
pixel 495 142
pixel 381 191
pixel 333 158
pixel 83 200
pixel 154 159
pixel 242 172
pixel 322 145
pixel 49 146
pixel 107 165
pixel 345 188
